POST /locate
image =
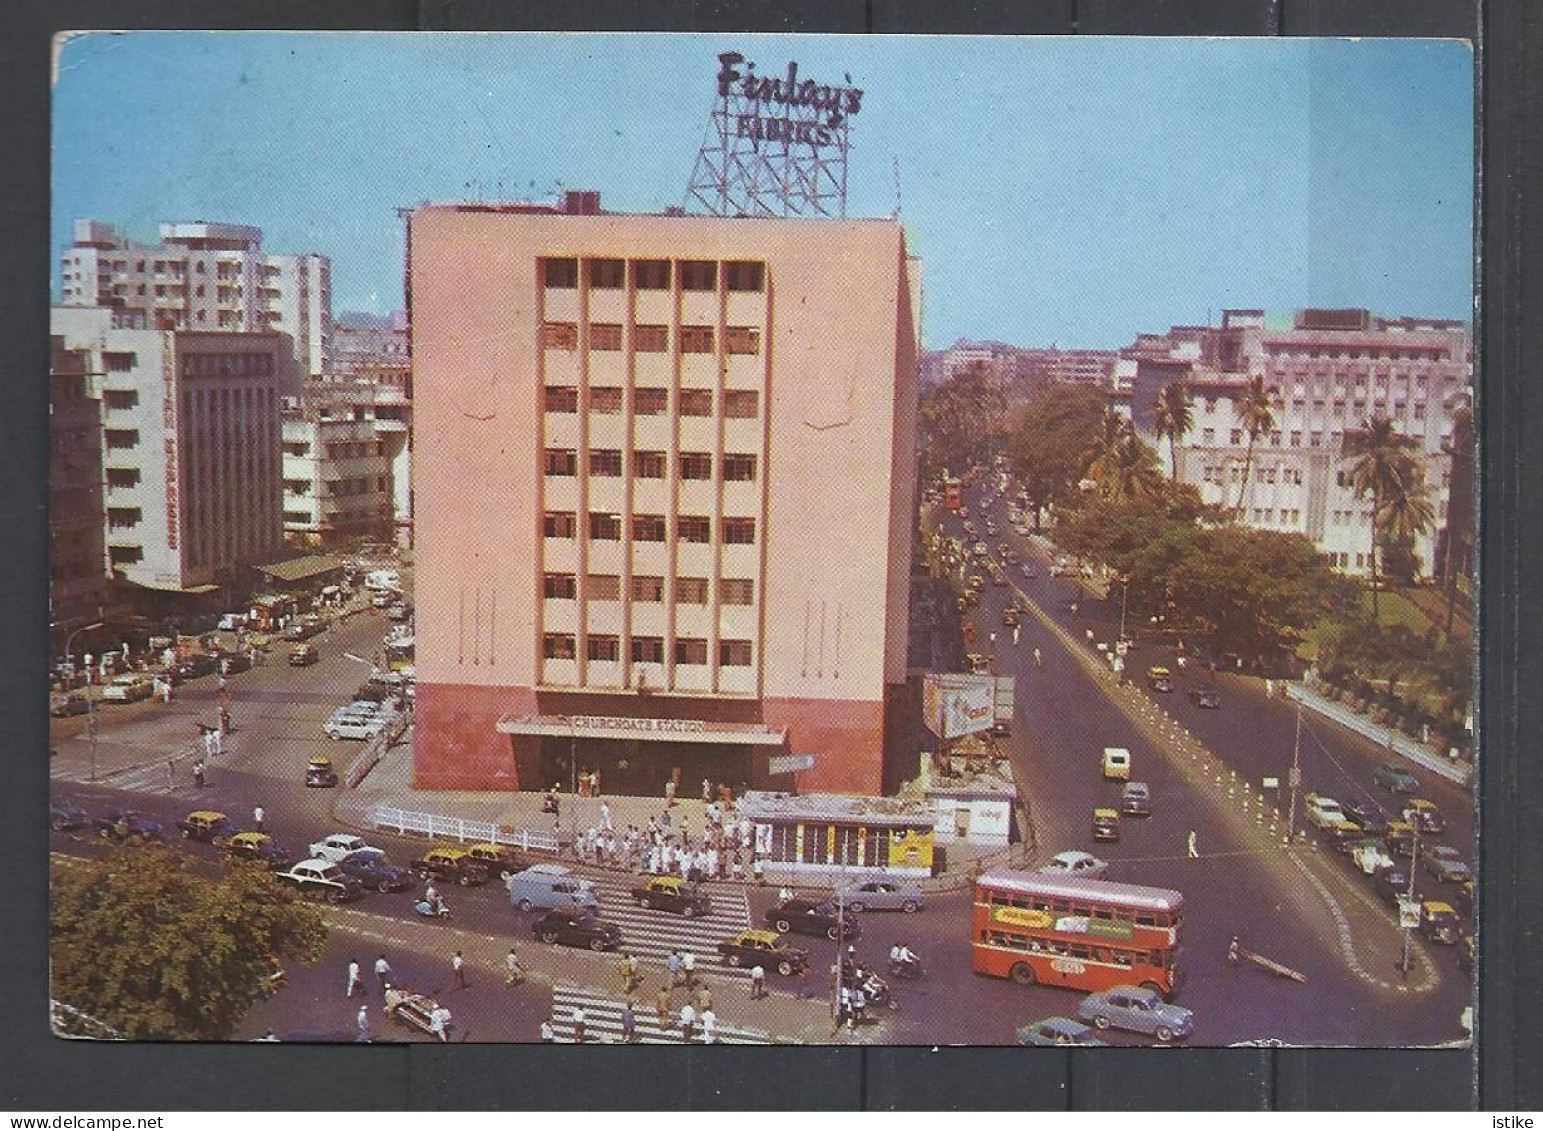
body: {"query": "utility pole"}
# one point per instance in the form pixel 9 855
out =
pixel 1404 915
pixel 1294 779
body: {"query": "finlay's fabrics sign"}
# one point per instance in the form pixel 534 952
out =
pixel 955 705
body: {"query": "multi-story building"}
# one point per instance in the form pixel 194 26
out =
pixel 1328 372
pixel 337 466
pixel 366 343
pixel 664 497
pixel 203 277
pixel 190 437
pixel 77 572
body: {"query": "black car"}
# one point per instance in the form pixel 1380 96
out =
pixel 128 827
pixel 1392 884
pixel 574 926
pixel 810 918
pixel 64 815
pixel 233 662
pixel 63 704
pixel 196 665
pixel 1205 696
pixel 1368 816
pixel 371 868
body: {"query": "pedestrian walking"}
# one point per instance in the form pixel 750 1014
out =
pixel 383 973
pixel 704 999
pixel 257 818
pixel 364 1026
pixel 355 982
pixel 1269 689
pixel 200 774
pixel 688 968
pixel 673 965
pixel 662 1006
pixel 1015 635
pixel 605 815
pixel 578 1026
pixel 1234 952
pixel 629 1023
pixel 1194 852
pixel 629 974
pixel 687 1023
pixel 439 1023
pixel 458 972
pixel 548 1031
pixel 709 1026
pixel 758 870
pixel 707 790
pixel 514 974
pixel 1089 633
pixel 757 982
pixel 803 983
pixel 171 775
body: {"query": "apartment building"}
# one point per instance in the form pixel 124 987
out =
pixel 337 467
pixel 77 572
pixel 663 497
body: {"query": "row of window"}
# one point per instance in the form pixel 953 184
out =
pixel 1218 473
pixel 645 649
pixel 1290 516
pixel 646 589
pixel 1108 955
pixel 607 337
pixel 653 274
pixel 737 467
pixel 1366 353
pixel 227 365
pixel 604 526
pixel 1349 517
pixel 1059 906
pixel 609 400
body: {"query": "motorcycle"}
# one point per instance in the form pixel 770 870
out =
pixel 911 971
pixel 878 993
pixel 436 909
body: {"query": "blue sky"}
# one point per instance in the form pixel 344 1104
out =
pixel 1067 190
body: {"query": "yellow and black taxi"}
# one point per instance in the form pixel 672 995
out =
pixel 758 947
pixel 303 655
pixel 1440 923
pixel 1106 824
pixel 671 893
pixel 1160 678
pixel 450 865
pixel 209 826
pixel 319 773
pixel 499 860
pixel 1418 810
pixel 259 847
pixel 1399 837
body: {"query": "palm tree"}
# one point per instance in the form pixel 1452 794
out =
pixel 1460 451
pixel 1134 471
pixel 1255 410
pixel 1407 510
pixel 1174 419
pixel 1382 469
pixel 1102 451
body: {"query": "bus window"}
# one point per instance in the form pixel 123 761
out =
pixel 1146 919
pixel 1102 913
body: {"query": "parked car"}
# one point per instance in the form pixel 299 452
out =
pixel 500 860
pixel 1081 864
pixel 319 772
pixel 63 704
pixel 128 688
pixel 1391 775
pixel 671 893
pixel 809 917
pixel 1445 863
pixel 453 865
pixel 1206 696
pixel 1440 923
pixel 321 879
pixel 757 947
pixel 335 846
pixel 125 826
pixel 1106 824
pixel 1138 1010
pixel 209 826
pixel 260 847
pixel 357 727
pixel 373 869
pixel 196 665
pixel 577 926
pixel 1058 1031
pixel 303 655
pixel 1136 799
pixel 64 815
pixel 882 895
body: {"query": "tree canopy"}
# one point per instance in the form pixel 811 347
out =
pixel 143 942
pixel 958 418
pixel 1048 445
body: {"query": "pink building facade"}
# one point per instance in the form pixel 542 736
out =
pixel 664 494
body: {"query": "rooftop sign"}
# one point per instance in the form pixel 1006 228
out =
pixel 816 108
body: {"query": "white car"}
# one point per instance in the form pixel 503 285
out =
pixel 1083 864
pixel 359 708
pixel 128 688
pixel 1324 812
pixel 357 727
pixel 333 848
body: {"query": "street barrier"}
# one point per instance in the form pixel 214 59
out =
pixel 459 829
pixel 375 748
pixel 1390 739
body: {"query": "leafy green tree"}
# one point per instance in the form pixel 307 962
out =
pixel 1383 467
pixel 1047 444
pixel 1457 539
pixel 1175 418
pixel 1255 410
pixel 959 419
pixel 143 942
pixel 1408 513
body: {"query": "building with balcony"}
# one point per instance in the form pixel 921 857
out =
pixel 77 570
pixel 337 467
pixel 663 497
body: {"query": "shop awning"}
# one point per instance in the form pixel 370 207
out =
pixel 302 569
pixel 644 729
pixel 195 590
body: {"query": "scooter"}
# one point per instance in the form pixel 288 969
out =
pixel 911 971
pixel 435 910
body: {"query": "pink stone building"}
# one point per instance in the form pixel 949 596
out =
pixel 664 497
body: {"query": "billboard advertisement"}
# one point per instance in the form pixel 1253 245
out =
pixel 956 705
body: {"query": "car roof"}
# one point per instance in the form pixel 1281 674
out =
pixel 316 861
pixel 1436 907
pixel 1136 787
pixel 207 815
pixel 251 837
pixel 1110 814
pixel 546 870
pixel 758 934
pixel 1419 803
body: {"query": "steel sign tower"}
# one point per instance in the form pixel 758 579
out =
pixel 774 146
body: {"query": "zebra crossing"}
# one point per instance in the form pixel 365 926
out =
pixel 651 935
pixel 602 1021
pixel 147 777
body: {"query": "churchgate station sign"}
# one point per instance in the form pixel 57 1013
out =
pixel 641 729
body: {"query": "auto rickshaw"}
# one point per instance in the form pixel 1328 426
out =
pixel 1106 824
pixel 319 772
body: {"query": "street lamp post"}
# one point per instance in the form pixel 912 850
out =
pixel 90 702
pixel 1124 594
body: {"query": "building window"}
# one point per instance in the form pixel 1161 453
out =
pixel 605 462
pixel 696 402
pixel 648 465
pixel 602 587
pixel 651 339
pixel 698 275
pixel 558 586
pixel 739 531
pixel 561 398
pixel 651 274
pixel 605 400
pixel 690 650
pixel 648 528
pixel 603 648
pixel 561 461
pixel 558 646
pixel 559 336
pixel 647 650
pixel 734 653
pixel 1315 440
pixel 118 362
pixel 606 274
pixel 694 528
pixel 605 336
pixel 739 468
pixel 604 527
pixel 696 465
pixel 737 591
pixel 696 339
pixel 744 276
pixel 1208 436
pixel 691 591
pixel 647 590
pixel 1236 437
pixel 650 401
pixel 742 340
pixel 741 404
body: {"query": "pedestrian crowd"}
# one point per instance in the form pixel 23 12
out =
pixel 723 849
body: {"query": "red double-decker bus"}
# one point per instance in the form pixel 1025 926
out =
pixel 1078 933
pixel 953 494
